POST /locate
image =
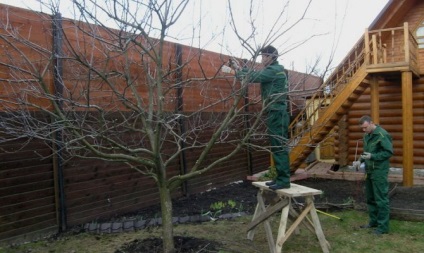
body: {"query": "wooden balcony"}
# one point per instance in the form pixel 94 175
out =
pixel 391 50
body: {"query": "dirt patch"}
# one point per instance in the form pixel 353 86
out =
pixel 182 245
pixel 243 196
pixel 408 198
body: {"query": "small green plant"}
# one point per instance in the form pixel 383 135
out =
pixel 231 203
pixel 218 207
pixel 215 210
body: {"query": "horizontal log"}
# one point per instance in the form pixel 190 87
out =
pixel 418 152
pixel 418 144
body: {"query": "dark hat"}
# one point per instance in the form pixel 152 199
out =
pixel 270 50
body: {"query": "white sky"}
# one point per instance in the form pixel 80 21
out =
pixel 332 23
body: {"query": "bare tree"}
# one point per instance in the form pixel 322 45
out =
pixel 114 94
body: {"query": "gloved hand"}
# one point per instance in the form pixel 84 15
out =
pixel 234 64
pixel 356 164
pixel 366 156
pixel 225 69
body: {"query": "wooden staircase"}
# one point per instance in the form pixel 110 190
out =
pixel 329 104
pixel 374 53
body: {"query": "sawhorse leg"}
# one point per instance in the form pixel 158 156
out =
pixel 260 208
pixel 318 230
pixel 282 227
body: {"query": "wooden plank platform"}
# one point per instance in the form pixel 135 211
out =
pixel 295 190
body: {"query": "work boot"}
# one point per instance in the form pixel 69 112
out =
pixel 367 226
pixel 378 232
pixel 279 187
pixel 270 183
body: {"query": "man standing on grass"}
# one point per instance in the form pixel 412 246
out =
pixel 274 89
pixel 377 151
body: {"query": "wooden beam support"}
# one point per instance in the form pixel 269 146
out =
pixel 406 41
pixel 407 130
pixel 367 48
pixel 375 100
pixel 374 49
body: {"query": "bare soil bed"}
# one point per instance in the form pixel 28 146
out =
pixel 242 195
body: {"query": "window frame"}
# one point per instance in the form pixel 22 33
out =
pixel 420 39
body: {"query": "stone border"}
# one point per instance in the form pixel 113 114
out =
pixel 131 225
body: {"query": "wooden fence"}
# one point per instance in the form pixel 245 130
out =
pixel 37 197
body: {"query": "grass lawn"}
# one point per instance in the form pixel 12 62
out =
pixel 343 236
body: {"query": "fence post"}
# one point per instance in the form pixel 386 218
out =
pixel 57 142
pixel 180 109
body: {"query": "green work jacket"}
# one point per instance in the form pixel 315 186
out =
pixel 379 144
pixel 274 86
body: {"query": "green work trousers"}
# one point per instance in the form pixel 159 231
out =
pixel 278 123
pixel 377 197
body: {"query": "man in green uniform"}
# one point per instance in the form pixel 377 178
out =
pixel 274 89
pixel 378 149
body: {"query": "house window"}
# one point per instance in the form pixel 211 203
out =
pixel 420 35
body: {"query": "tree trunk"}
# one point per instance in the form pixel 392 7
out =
pixel 167 227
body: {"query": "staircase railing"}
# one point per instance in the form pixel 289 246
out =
pixel 391 49
pixel 327 92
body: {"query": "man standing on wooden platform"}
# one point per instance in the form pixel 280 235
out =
pixel 378 149
pixel 274 89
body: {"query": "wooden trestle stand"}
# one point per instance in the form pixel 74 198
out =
pixel 283 202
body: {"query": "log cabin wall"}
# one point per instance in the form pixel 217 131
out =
pixel 93 189
pixel 391 120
